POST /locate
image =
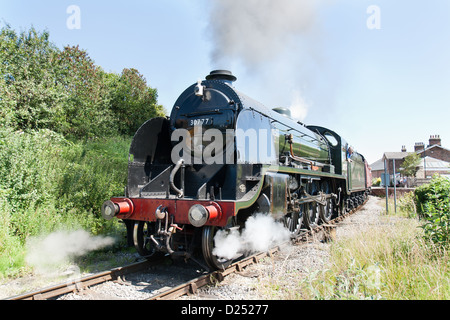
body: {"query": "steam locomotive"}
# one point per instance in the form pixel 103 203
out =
pixel 222 157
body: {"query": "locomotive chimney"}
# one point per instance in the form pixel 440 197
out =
pixel 222 75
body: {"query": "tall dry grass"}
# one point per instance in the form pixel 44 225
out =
pixel 390 260
pixel 387 261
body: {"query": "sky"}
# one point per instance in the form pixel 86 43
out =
pixel 377 72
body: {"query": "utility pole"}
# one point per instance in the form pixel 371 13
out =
pixel 386 185
pixel 395 189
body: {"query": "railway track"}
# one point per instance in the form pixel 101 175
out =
pixel 190 287
pixel 84 282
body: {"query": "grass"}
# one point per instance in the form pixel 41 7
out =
pixel 388 261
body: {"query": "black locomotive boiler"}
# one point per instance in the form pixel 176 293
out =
pixel 222 157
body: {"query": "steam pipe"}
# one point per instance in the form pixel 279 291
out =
pixel 290 138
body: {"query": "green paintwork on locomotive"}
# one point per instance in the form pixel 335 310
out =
pixel 311 147
pixel 306 144
pixel 357 173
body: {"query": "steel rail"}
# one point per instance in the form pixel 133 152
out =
pixel 82 283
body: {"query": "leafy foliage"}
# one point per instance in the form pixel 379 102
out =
pixel 31 97
pixel 409 166
pixel 64 91
pixel 50 183
pixel 86 109
pixel 433 206
pixel 132 101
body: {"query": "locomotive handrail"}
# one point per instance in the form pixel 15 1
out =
pixel 172 177
pixel 200 113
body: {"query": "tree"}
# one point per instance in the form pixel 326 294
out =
pixel 86 109
pixel 30 96
pixel 42 86
pixel 409 166
pixel 132 101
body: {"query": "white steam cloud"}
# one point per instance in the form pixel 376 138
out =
pixel 274 41
pixel 256 31
pixel 261 233
pixel 47 253
pixel 298 107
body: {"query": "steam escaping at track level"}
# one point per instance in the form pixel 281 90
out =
pixel 260 234
pixel 47 253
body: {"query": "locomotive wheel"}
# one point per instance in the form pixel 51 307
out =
pixel 213 261
pixel 311 214
pixel 293 222
pixel 141 238
pixel 326 212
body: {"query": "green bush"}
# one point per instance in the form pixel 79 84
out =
pixel 50 183
pixel 93 172
pixel 433 206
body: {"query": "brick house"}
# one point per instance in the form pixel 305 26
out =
pixel 434 149
pixel 434 160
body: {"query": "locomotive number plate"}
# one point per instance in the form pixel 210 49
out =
pixel 201 122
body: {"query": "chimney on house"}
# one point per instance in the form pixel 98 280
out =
pixel 419 146
pixel 435 140
pixel 403 148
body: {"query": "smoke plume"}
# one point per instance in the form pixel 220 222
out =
pixel 271 40
pixel 256 31
pixel 47 253
pixel 261 233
